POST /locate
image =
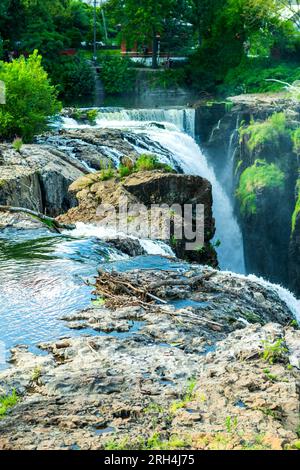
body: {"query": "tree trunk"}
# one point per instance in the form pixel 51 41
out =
pixel 155 52
pixel 51 223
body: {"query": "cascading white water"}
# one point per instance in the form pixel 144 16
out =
pixel 192 160
pixel 182 119
pixel 176 135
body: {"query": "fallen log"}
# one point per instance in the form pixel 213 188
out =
pixel 51 223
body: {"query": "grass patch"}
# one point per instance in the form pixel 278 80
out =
pixel 7 402
pixel 258 176
pixel 150 163
pixel 145 162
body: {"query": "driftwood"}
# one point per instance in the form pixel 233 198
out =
pixel 51 223
pixel 193 281
pixel 118 290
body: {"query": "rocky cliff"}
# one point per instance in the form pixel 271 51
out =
pixel 252 142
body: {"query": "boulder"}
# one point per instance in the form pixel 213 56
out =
pixel 147 188
pixel 37 178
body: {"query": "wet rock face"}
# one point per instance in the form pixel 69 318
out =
pixel 176 370
pixel 271 250
pixel 95 147
pixel 294 259
pixel 37 179
pixel 149 188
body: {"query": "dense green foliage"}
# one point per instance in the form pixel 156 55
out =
pixel 52 26
pixel 255 75
pixel 117 75
pixel 30 98
pixel 259 176
pixel 74 78
pixel 268 131
pixel 233 46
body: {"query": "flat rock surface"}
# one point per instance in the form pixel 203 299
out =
pixel 194 373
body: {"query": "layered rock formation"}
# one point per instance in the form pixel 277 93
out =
pixel 37 178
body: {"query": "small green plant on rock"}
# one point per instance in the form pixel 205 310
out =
pixel 36 374
pixel 107 172
pixel 274 351
pixel 100 302
pixel 187 397
pixel 154 442
pixel 17 144
pixel 7 402
pixel 231 424
pixel 92 115
pixel 269 376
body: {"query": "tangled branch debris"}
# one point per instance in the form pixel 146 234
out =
pixel 120 290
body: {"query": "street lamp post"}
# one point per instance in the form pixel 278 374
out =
pixel 95 30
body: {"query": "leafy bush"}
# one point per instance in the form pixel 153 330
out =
pixel 30 98
pixel 74 78
pixel 251 74
pixel 169 79
pixel 268 131
pixel 124 171
pixel 107 172
pixel 92 115
pixel 116 75
pixel 258 176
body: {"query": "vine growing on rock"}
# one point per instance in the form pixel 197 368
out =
pixel 259 176
pixel 297 207
pixel 270 130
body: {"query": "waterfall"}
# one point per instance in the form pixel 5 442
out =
pixel 192 161
pixel 169 133
pixel 182 119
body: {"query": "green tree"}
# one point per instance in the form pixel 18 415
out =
pixel 143 20
pixel 30 98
